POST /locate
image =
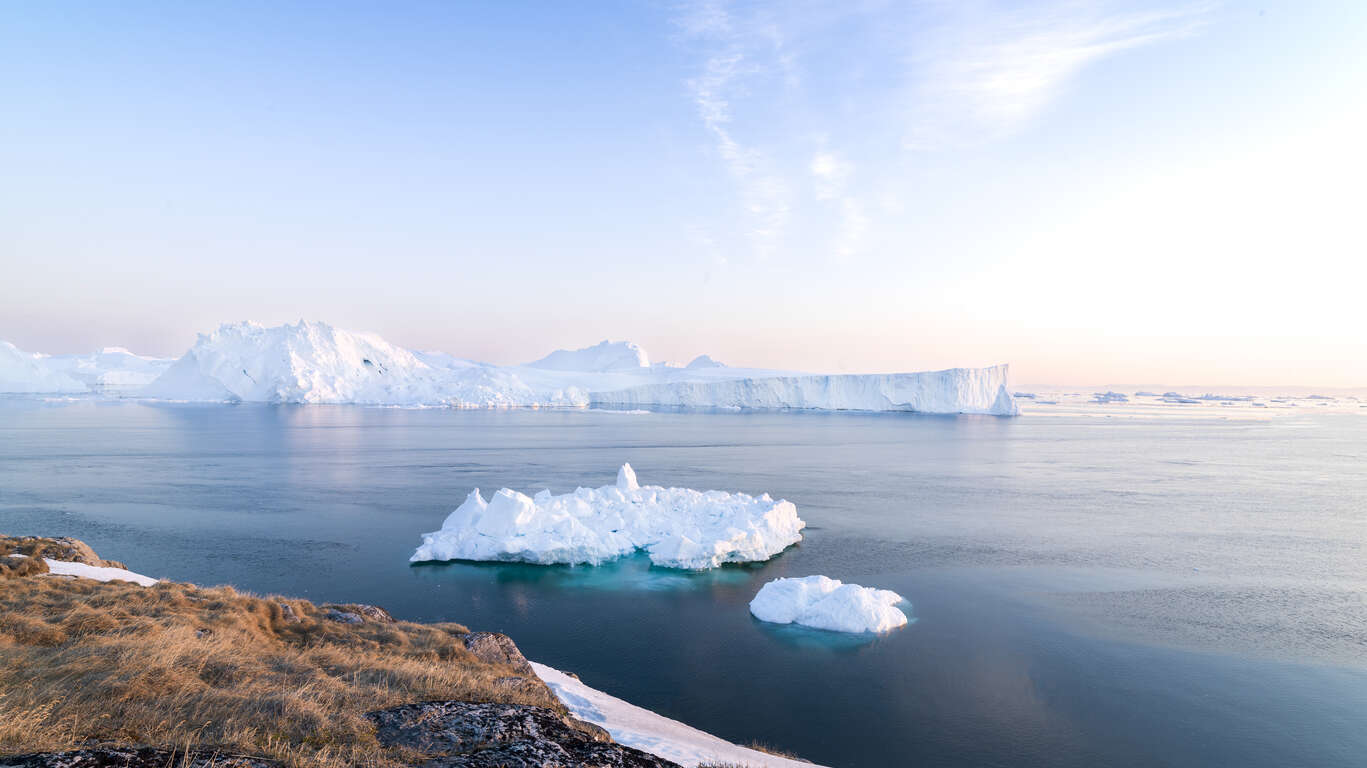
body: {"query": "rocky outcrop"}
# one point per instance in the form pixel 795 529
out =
pixel 462 734
pixel 57 548
pixel 130 757
pixel 496 648
pixel 361 612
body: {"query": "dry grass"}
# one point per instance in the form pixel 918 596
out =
pixel 176 665
pixel 61 548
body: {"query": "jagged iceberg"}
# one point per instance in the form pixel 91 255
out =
pixel 312 362
pixel 676 527
pixel 825 603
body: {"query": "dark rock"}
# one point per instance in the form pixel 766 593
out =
pixel 496 648
pixel 288 614
pixel 130 757
pixel 462 734
pixel 343 617
pixel 367 612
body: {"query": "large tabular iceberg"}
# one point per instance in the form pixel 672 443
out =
pixel 957 390
pixel 677 527
pixel 312 362
pixel 825 603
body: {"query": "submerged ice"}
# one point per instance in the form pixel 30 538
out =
pixel 825 603
pixel 676 527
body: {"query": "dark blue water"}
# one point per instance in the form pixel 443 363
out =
pixel 1086 591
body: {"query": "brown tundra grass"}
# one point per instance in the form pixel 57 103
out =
pixel 175 665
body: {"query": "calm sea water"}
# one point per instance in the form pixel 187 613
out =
pixel 1087 591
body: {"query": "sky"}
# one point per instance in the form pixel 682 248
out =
pixel 1093 192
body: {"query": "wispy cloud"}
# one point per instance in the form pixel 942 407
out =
pixel 764 194
pixel 983 77
pixel 956 73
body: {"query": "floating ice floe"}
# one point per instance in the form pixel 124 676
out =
pixel 825 603
pixel 676 527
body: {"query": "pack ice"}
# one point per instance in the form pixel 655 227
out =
pixel 825 603
pixel 313 362
pixel 676 527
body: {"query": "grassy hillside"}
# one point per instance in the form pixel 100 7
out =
pixel 175 664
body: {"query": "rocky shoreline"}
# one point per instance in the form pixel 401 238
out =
pixel 435 734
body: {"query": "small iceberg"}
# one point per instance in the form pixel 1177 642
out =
pixel 825 603
pixel 676 527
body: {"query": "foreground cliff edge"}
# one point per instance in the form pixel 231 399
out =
pixel 136 672
pixel 313 362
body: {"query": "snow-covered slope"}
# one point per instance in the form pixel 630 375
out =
pixel 649 732
pixel 825 603
pixel 677 527
pixel 603 356
pixel 957 390
pixel 21 372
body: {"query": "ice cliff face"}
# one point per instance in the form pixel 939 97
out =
pixel 312 362
pixel 957 390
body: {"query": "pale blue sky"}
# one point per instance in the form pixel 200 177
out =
pixel 1092 191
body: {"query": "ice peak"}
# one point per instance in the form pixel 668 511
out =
pixel 603 356
pixel 626 479
pixel 704 361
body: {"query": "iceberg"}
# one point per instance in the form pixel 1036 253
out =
pixel 25 373
pixel 112 370
pixel 825 603
pixel 313 362
pixel 676 527
pixel 957 390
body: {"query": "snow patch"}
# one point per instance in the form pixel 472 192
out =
pixel 676 527
pixel 825 603
pixel 96 572
pixel 649 732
